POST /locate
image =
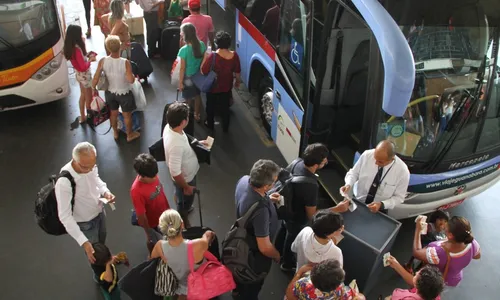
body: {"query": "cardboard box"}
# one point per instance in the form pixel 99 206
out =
pixel 135 25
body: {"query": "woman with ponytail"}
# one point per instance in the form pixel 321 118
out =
pixel 451 255
pixel 173 250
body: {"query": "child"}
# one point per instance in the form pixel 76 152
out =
pixel 105 270
pixel 175 11
pixel 436 227
pixel 75 51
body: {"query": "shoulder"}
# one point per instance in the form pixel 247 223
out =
pixel 434 252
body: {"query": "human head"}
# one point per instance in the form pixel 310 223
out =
pixel 263 174
pixel 315 155
pixel 223 40
pixel 188 33
pixel 171 224
pixel 73 39
pixel 178 115
pixel 146 166
pixel 327 275
pixel 326 224
pixel 117 8
pixel 439 218
pixel 429 282
pixel 194 6
pixel 84 157
pixel 384 153
pixel 102 254
pixel 113 43
pixel 459 230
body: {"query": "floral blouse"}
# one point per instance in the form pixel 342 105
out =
pixel 305 290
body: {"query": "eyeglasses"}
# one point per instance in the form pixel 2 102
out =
pixel 86 168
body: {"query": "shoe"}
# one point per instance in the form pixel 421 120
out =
pixel 287 269
pixel 88 33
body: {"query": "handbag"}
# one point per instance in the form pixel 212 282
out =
pixel 102 84
pixel 205 82
pixel 98 112
pixel 139 282
pixel 210 280
pixel 166 283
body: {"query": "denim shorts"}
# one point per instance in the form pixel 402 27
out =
pixel 190 90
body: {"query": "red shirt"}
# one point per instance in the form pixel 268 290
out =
pixel 149 199
pixel 225 69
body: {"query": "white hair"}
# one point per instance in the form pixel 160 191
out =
pixel 83 148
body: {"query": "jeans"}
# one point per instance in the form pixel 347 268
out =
pixel 86 5
pixel 153 31
pixel 218 103
pixel 184 202
pixel 95 229
pixel 284 240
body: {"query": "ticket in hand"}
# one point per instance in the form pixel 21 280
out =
pixel 344 195
pixel 106 201
pixel 386 259
pixel 210 142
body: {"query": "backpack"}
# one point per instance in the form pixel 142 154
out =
pixel 284 186
pixel 46 214
pixel 237 255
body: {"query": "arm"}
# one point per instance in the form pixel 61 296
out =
pixel 174 165
pixel 97 74
pixel 353 175
pixel 477 254
pixel 129 75
pixel 267 248
pixel 139 203
pixel 291 290
pixel 418 252
pixel 108 274
pixel 79 62
pixel 63 195
pixel 181 74
pixel 260 223
pixel 400 193
pixel 206 64
pixel 101 185
pixel 407 277
pixel 158 252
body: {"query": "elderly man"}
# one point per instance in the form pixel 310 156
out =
pixel 380 178
pixel 86 220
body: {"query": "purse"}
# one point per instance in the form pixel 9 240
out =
pixel 102 84
pixel 205 82
pixel 99 112
pixel 166 283
pixel 210 280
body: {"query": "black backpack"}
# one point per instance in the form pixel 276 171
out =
pixel 237 255
pixel 46 214
pixel 284 186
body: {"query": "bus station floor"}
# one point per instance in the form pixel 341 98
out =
pixel 36 142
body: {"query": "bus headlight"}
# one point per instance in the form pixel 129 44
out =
pixel 49 68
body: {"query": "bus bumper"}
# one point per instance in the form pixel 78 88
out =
pixel 34 92
pixel 403 211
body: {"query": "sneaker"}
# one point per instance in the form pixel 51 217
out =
pixel 287 269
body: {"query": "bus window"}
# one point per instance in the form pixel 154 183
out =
pixel 264 15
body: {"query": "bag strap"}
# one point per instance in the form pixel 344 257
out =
pixel 448 260
pixel 67 175
pixel 212 65
pixel 243 220
pixel 190 250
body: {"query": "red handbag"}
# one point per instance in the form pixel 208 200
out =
pixel 210 280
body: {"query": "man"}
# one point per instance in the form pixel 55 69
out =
pixel 150 8
pixel 380 176
pixel 148 198
pixel 264 222
pixel 305 200
pixel 203 23
pixel 86 222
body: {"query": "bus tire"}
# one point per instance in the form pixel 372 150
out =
pixel 265 94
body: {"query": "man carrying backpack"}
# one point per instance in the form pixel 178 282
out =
pixel 300 199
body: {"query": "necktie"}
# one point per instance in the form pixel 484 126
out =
pixel 374 187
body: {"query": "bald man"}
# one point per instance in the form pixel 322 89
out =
pixel 379 177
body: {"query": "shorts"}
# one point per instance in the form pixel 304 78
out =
pixel 190 90
pixel 125 101
pixel 84 78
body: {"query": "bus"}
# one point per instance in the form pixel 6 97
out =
pixel 32 65
pixel 350 73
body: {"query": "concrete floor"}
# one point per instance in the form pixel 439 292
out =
pixel 37 141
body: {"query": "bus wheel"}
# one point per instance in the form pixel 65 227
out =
pixel 266 102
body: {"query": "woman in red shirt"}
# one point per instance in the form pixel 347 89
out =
pixel 227 67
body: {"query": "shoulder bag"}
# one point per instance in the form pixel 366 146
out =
pixel 205 82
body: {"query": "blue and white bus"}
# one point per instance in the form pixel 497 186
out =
pixel 349 73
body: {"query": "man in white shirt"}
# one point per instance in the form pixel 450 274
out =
pixel 86 222
pixel 150 8
pixel 180 157
pixel 379 178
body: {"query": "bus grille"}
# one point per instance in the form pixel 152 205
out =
pixel 11 101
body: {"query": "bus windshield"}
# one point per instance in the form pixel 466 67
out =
pixel 23 22
pixel 449 44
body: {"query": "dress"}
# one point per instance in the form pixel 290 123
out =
pixel 305 290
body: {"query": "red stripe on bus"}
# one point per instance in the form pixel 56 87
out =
pixel 256 35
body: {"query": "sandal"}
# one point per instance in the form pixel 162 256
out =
pixel 134 135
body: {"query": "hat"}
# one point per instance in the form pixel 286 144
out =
pixel 194 4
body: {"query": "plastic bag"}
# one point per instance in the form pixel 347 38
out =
pixel 140 98
pixel 97 103
pixel 176 71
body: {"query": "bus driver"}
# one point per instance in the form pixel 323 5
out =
pixel 381 178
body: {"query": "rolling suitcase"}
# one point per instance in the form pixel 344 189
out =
pixel 141 65
pixel 196 232
pixel 169 40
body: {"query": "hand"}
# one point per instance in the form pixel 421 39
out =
pixel 110 197
pixel 89 250
pixel 204 143
pixel 237 84
pixel 342 206
pixel 393 262
pixel 419 224
pixel 181 86
pixel 210 235
pixel 304 269
pixel 189 190
pixel 374 207
pixel 345 189
pixel 92 58
pixel 275 197
pixel 277 259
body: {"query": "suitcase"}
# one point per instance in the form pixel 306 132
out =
pixel 141 65
pixel 169 40
pixel 189 128
pixel 196 232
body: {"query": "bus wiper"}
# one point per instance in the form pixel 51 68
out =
pixel 8 44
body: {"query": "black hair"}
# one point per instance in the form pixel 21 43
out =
pixel 223 40
pixel 439 215
pixel 327 275
pixel 325 222
pixel 145 165
pixel 176 113
pixel 190 37
pixel 430 282
pixel 73 38
pixel 314 154
pixel 461 230
pixel 101 253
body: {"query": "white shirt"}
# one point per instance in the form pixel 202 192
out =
pixel 179 155
pixel 147 5
pixel 116 74
pixel 89 187
pixel 309 250
pixel 395 179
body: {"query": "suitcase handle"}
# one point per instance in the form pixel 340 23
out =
pixel 197 192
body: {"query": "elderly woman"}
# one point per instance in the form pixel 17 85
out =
pixel 118 72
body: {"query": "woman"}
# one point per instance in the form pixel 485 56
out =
pixel 75 51
pixel 86 6
pixel 101 8
pixel 323 281
pixel 191 55
pixel 118 72
pixel 115 21
pixel 173 251
pixel 227 67
pixel 458 250
pixel 427 284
